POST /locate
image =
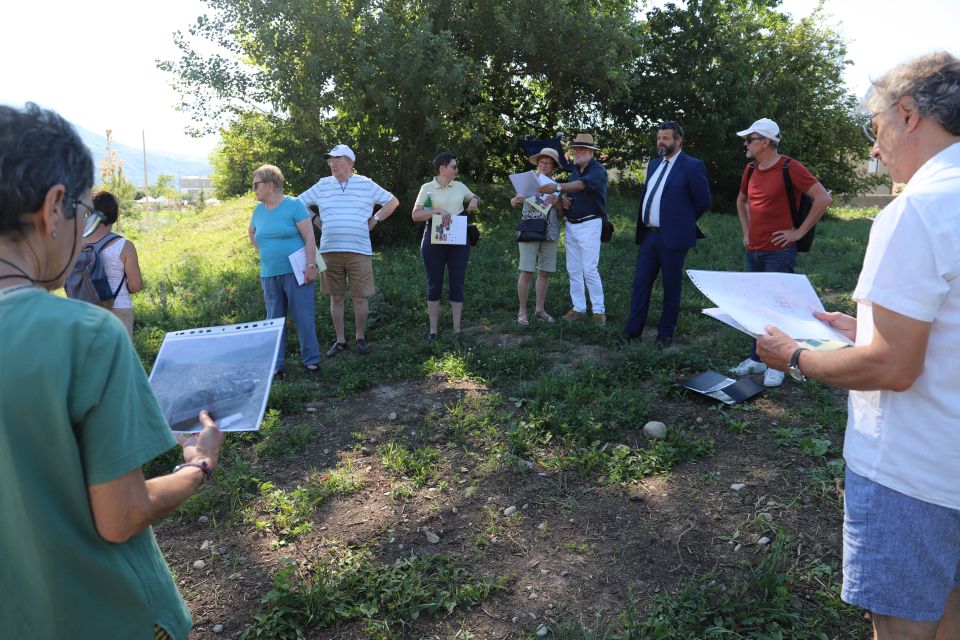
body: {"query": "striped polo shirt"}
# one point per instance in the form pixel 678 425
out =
pixel 345 209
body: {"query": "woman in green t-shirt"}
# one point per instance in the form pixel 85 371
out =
pixel 77 418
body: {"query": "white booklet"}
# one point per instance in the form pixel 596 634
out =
pixel 754 300
pixel 453 233
pixel 225 370
pixel 298 261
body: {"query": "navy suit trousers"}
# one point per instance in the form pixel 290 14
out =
pixel 653 258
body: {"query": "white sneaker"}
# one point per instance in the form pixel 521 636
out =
pixel 747 367
pixel 773 378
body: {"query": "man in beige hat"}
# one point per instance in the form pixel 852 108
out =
pixel 585 208
pixel 765 215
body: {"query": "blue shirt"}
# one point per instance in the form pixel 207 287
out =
pixel 592 201
pixel 345 210
pixel 276 233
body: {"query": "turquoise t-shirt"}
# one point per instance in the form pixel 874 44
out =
pixel 277 235
pixel 75 410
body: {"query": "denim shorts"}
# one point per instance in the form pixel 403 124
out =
pixel 901 556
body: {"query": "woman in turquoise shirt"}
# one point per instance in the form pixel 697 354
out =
pixel 280 226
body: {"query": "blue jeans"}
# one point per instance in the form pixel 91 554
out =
pixel 285 298
pixel 436 258
pixel 779 261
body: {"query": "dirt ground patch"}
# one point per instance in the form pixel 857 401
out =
pixel 572 547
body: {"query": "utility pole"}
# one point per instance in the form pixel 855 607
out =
pixel 146 184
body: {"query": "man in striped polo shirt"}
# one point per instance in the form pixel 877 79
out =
pixel 346 201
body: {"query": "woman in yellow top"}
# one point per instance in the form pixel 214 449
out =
pixel 448 198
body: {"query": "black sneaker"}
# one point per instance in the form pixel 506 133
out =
pixel 279 376
pixel 362 346
pixel 336 349
pixel 431 337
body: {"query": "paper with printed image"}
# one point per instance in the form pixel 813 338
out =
pixel 755 300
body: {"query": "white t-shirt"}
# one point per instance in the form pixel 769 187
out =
pixel 345 209
pixel 909 441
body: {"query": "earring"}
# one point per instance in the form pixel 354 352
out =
pixel 53 234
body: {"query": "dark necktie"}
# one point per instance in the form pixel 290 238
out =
pixel 656 185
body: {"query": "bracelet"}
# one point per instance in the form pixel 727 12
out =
pixel 202 465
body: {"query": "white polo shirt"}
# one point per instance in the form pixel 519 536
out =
pixel 909 441
pixel 345 209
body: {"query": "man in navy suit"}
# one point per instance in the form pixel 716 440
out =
pixel 675 196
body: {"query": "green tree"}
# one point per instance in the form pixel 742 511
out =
pixel 113 180
pixel 715 66
pixel 163 187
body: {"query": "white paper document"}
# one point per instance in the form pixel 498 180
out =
pixel 750 301
pixel 298 262
pixel 526 183
pixel 453 233
pixel 225 370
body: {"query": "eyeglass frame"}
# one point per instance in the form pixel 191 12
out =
pixel 93 218
pixel 751 140
pixel 868 129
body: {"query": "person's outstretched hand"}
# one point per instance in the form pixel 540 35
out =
pixel 204 445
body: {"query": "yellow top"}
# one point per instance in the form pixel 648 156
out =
pixel 452 197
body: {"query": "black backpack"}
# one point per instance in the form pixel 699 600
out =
pixel 88 279
pixel 797 214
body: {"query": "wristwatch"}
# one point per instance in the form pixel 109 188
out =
pixel 794 368
pixel 376 217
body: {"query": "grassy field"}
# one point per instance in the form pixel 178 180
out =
pixel 322 525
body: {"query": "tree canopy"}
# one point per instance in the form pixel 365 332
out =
pixel 400 81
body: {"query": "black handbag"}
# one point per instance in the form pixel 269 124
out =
pixel 531 230
pixel 606 230
pixel 473 234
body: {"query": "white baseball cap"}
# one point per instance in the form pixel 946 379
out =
pixel 765 127
pixel 341 150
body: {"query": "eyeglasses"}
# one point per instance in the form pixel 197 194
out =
pixel 749 140
pixel 256 184
pixel 93 218
pixel 870 130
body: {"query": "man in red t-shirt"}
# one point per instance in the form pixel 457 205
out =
pixel 768 231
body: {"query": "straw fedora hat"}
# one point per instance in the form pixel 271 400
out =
pixel 550 153
pixel 584 140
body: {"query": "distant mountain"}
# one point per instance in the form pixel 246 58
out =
pixel 176 165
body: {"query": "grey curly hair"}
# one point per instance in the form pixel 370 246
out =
pixel 933 80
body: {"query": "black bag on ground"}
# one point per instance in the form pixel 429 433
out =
pixel 797 214
pixel 88 279
pixel 531 229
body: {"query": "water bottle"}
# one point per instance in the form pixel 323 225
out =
pixel 428 201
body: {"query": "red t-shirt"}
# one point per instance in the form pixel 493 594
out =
pixel 767 197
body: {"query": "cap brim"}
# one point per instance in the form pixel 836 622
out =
pixel 745 133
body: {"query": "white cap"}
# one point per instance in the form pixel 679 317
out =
pixel 341 150
pixel 765 127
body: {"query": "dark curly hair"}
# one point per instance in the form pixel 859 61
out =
pixel 38 149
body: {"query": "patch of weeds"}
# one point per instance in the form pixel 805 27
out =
pixel 490 531
pixel 450 365
pixel 286 514
pixel 289 397
pixel 419 465
pixel 348 585
pixel 825 477
pixel 817 447
pixel 234 482
pixel 475 417
pixel 623 464
pixel 400 491
pixel 773 599
pixel 280 441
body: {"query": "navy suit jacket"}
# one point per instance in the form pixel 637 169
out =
pixel 685 197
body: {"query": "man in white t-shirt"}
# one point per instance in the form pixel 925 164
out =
pixel 346 201
pixel 901 542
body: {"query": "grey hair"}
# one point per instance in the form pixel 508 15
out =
pixel 270 173
pixel 38 149
pixel 933 80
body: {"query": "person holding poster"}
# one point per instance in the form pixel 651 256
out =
pixel 78 419
pixel 539 255
pixel 901 524
pixel 447 198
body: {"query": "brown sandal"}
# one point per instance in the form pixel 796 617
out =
pixel 546 317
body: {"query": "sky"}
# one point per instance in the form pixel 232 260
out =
pixel 94 61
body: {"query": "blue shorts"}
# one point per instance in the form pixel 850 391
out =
pixel 901 556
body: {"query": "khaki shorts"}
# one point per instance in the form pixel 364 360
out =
pixel 126 317
pixel 346 269
pixel 544 252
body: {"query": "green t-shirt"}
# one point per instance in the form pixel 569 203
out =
pixel 75 410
